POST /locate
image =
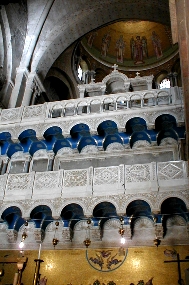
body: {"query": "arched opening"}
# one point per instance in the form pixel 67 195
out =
pixel 57 90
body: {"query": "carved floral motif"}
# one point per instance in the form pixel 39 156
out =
pixel 137 173
pixel 75 178
pixel 106 175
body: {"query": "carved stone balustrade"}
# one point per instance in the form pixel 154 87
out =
pixel 172 174
pixel 19 186
pixel 45 183
pixel 107 179
pixel 147 104
pixel 94 182
pixel 78 182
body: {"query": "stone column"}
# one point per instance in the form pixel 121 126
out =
pixel 170 76
pixel 28 90
pixel 175 74
pixel 182 11
pixel 81 88
pixel 15 92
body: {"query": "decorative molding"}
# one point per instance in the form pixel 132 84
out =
pixel 143 223
pixel 89 149
pixel 176 220
pixel 170 170
pixel 74 178
pixel 168 141
pixel 141 143
pixel 137 173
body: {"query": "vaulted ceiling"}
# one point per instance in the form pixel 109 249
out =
pixel 52 26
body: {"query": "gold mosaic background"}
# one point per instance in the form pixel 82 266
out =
pixel 133 28
pixel 62 267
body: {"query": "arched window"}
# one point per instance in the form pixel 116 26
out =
pixel 165 83
pixel 79 72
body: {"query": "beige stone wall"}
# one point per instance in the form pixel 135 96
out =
pixel 63 267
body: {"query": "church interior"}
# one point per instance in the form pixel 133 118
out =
pixel 94 141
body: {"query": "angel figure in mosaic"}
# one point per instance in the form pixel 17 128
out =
pixel 112 261
pixel 97 260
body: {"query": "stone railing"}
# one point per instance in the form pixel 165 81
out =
pixel 98 104
pixel 114 102
pixel 112 180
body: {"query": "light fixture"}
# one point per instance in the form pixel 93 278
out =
pixel 122 231
pixel 24 236
pixel 55 240
pixel 157 241
pixel 21 244
pixel 87 240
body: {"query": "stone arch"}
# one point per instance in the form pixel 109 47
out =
pixel 71 214
pixel 67 203
pixel 172 195
pixel 139 197
pixel 42 216
pixel 16 204
pixel 135 124
pixel 46 127
pixel 59 76
pixel 103 200
pixel 13 217
pixel 158 114
pixel 36 204
pixel 160 76
pixel 40 61
pixel 80 121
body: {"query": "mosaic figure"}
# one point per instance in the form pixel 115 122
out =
pixel 138 51
pixel 157 45
pixel 91 39
pixel 144 46
pixel 132 47
pixel 105 44
pixel 120 48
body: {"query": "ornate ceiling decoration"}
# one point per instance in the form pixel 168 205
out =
pixel 131 44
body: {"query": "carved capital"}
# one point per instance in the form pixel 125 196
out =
pixel 67 234
pixel 12 236
pixel 96 233
pixel 128 232
pixel 159 230
pixel 39 235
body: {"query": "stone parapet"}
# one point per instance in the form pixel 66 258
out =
pixel 94 182
pixel 117 107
